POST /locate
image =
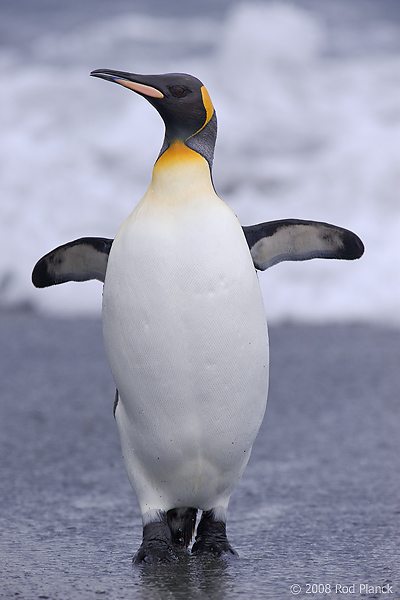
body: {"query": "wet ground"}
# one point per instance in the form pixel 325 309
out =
pixel 318 506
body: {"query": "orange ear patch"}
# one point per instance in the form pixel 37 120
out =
pixel 208 105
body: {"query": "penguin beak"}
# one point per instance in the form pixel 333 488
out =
pixel 137 83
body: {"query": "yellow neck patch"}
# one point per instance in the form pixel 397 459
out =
pixel 180 174
pixel 178 155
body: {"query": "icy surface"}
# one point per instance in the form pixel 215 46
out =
pixel 317 504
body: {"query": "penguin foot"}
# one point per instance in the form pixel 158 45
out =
pixel 156 546
pixel 211 537
pixel 182 523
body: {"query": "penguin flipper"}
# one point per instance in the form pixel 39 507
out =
pixel 295 239
pixel 80 260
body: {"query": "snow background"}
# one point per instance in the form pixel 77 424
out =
pixel 308 106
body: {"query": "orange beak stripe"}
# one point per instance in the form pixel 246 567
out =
pixel 140 88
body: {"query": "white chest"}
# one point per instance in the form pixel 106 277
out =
pixel 186 338
pixel 183 314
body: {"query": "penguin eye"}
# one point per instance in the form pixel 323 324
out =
pixel 179 91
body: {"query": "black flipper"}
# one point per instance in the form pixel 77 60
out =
pixel 79 260
pixel 270 243
pixel 116 400
pixel 295 239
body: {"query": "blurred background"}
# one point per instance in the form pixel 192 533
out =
pixel 307 94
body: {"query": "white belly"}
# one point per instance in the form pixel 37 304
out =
pixel 186 338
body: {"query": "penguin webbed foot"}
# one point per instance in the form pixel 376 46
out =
pixel 155 552
pixel 211 537
pixel 156 547
pixel 181 523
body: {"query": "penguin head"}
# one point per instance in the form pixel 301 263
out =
pixel 183 103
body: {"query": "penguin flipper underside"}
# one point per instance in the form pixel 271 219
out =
pixel 80 260
pixel 294 239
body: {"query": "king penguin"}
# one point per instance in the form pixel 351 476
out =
pixel 185 332
pixel 184 324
